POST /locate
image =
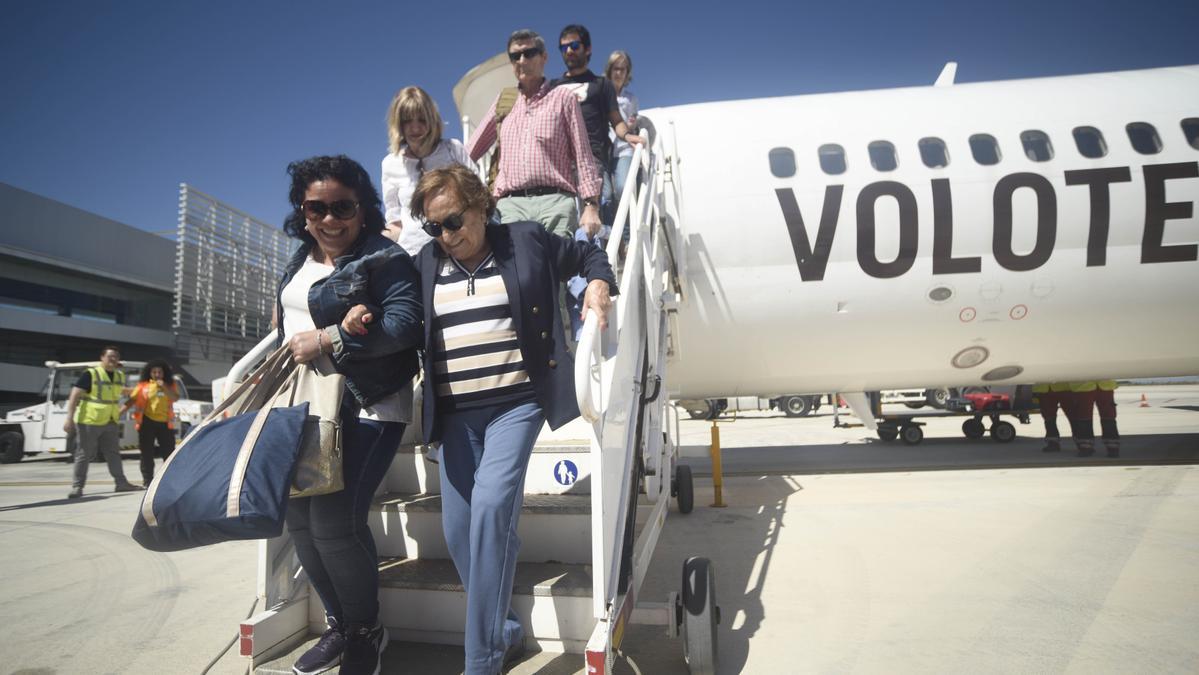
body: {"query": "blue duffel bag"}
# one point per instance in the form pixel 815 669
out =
pixel 230 479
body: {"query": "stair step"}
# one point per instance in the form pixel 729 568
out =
pixel 423 601
pixel 551 528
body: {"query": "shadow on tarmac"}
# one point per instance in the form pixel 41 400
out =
pixel 54 502
pixel 942 454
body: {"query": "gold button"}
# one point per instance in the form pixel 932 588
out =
pixel 545 335
pixel 536 309
pixel 553 363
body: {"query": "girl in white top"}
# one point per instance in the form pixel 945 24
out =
pixel 620 71
pixel 414 134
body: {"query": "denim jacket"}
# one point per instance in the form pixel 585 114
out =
pixel 378 273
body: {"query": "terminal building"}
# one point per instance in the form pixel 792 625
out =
pixel 72 281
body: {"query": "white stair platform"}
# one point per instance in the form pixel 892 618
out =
pixel 555 467
pixel 552 527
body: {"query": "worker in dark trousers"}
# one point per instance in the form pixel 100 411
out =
pixel 1105 401
pixel 1081 412
pixel 1050 397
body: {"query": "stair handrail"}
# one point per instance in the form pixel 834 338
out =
pixel 588 353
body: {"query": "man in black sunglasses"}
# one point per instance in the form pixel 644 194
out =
pixel 541 180
pixel 597 98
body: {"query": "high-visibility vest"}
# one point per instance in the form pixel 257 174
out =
pixel 1107 385
pixel 1046 387
pixel 99 406
pixel 141 401
pixel 1042 388
pixel 1083 387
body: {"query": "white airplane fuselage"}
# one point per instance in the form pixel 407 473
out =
pixel 963 274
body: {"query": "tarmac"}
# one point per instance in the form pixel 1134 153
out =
pixel 835 552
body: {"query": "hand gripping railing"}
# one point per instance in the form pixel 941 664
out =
pixel 588 372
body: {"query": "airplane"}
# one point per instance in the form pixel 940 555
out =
pixel 986 233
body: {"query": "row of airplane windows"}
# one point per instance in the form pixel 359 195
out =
pixel 985 148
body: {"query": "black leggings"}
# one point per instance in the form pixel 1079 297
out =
pixel 154 439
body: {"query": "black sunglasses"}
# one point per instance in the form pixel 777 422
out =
pixel 342 209
pixel 529 53
pixel 452 223
pixel 573 45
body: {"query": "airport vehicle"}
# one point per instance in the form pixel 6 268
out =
pixel 983 411
pixel 980 234
pixel 38 428
pixel 792 405
pixel 935 397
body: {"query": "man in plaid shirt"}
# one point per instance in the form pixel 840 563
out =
pixel 545 157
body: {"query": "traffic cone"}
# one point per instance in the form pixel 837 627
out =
pixel 1144 401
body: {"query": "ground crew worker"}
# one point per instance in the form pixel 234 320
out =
pixel 1050 397
pixel 1105 401
pixel 1082 416
pixel 152 402
pixel 93 413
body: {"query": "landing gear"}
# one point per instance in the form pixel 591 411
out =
pixel 684 488
pixel 797 406
pixel 887 432
pixel 699 616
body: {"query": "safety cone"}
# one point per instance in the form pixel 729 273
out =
pixel 1144 401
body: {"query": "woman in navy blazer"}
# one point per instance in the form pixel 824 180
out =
pixel 497 368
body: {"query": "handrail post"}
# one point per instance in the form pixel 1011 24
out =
pixel 717 471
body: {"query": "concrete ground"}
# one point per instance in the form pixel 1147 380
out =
pixel 835 553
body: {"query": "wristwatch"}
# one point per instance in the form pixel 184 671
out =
pixel 590 201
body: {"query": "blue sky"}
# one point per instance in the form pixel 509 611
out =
pixel 108 106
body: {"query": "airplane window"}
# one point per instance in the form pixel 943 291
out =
pixel 782 162
pixel 1036 145
pixel 1089 142
pixel 1190 128
pixel 933 153
pixel 832 158
pixel 985 149
pixel 882 156
pixel 1144 138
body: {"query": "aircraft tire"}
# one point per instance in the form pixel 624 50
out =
pixel 700 616
pixel 911 434
pixel 12 447
pixel 973 429
pixel 887 434
pixel 1003 432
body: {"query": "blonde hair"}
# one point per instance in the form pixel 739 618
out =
pixel 615 57
pixel 409 103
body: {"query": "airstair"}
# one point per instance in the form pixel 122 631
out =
pixel 597 490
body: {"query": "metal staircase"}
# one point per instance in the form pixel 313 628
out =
pixel 597 490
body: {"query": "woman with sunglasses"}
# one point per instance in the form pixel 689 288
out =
pixel 414 134
pixel 496 369
pixel 344 260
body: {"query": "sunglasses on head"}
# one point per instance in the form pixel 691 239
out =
pixel 573 45
pixel 342 209
pixel 452 223
pixel 529 53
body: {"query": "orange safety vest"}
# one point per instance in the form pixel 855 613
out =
pixel 141 399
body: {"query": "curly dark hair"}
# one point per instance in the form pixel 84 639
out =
pixel 342 169
pixel 167 375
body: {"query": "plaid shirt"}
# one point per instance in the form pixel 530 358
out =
pixel 544 140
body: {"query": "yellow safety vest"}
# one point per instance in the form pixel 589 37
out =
pixel 100 405
pixel 1082 387
pixel 1045 387
pixel 1108 385
pixel 1040 388
pixel 1059 386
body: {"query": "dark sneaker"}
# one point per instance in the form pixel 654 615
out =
pixel 325 654
pixel 128 487
pixel 75 493
pixel 364 650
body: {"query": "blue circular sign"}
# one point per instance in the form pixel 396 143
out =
pixel 565 472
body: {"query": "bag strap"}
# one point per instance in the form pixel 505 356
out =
pixel 503 106
pixel 238 477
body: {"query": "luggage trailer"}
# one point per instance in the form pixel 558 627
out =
pixel 983 413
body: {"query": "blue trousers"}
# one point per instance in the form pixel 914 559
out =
pixel 484 454
pixel 333 540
